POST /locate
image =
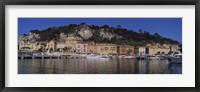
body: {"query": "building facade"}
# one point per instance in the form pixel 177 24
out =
pixel 175 49
pixel 71 42
pixel 92 48
pixel 60 46
pixel 81 48
pixel 51 45
pixel 154 49
pixel 25 45
pixel 41 46
pixel 37 46
pixel 125 50
pixel 106 49
pixel 142 51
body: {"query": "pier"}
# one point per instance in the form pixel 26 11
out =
pixel 49 57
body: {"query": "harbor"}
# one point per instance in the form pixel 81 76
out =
pixel 176 58
pixel 97 49
pixel 63 63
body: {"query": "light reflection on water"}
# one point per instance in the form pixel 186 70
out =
pixel 87 66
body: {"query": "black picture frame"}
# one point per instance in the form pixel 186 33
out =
pixel 98 2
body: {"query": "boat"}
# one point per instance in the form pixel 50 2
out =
pixel 104 58
pixel 177 58
pixel 142 57
pixel 153 57
pixel 130 57
pixel 98 57
pixel 121 56
pixel 93 56
pixel 82 56
pixel 162 57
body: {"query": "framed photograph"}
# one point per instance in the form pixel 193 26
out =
pixel 109 45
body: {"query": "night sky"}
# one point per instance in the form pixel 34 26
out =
pixel 166 27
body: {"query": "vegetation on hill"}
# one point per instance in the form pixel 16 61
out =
pixel 117 35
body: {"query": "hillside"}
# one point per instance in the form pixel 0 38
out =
pixel 99 34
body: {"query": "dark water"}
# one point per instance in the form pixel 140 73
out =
pixel 86 66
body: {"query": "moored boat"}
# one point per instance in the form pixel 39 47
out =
pixel 153 57
pixel 130 57
pixel 142 57
pixel 93 56
pixel 177 58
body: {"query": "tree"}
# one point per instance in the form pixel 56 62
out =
pixel 44 44
pixel 82 24
pixel 140 31
pixel 51 49
pixel 105 26
pixel 118 26
pixel 35 31
pixel 67 49
pixel 97 38
pixel 157 35
pixel 25 48
pixel 158 53
pixel 176 53
pixel 170 52
pixel 25 34
pixel 74 25
pixel 41 49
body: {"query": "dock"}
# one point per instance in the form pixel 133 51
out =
pixel 48 57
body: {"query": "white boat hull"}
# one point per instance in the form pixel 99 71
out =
pixel 129 57
pixel 175 60
pixel 153 58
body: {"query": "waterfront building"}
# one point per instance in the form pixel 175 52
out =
pixel 142 50
pixel 106 49
pixel 92 48
pixel 60 46
pixel 154 49
pixel 25 45
pixel 82 48
pixel 41 46
pixel 125 50
pixel 175 49
pixel 71 42
pixel 165 46
pixel 35 46
pixel 51 45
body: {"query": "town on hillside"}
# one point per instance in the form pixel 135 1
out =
pixel 73 45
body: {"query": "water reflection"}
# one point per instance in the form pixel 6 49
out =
pixel 87 66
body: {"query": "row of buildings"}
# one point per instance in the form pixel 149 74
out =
pixel 73 44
